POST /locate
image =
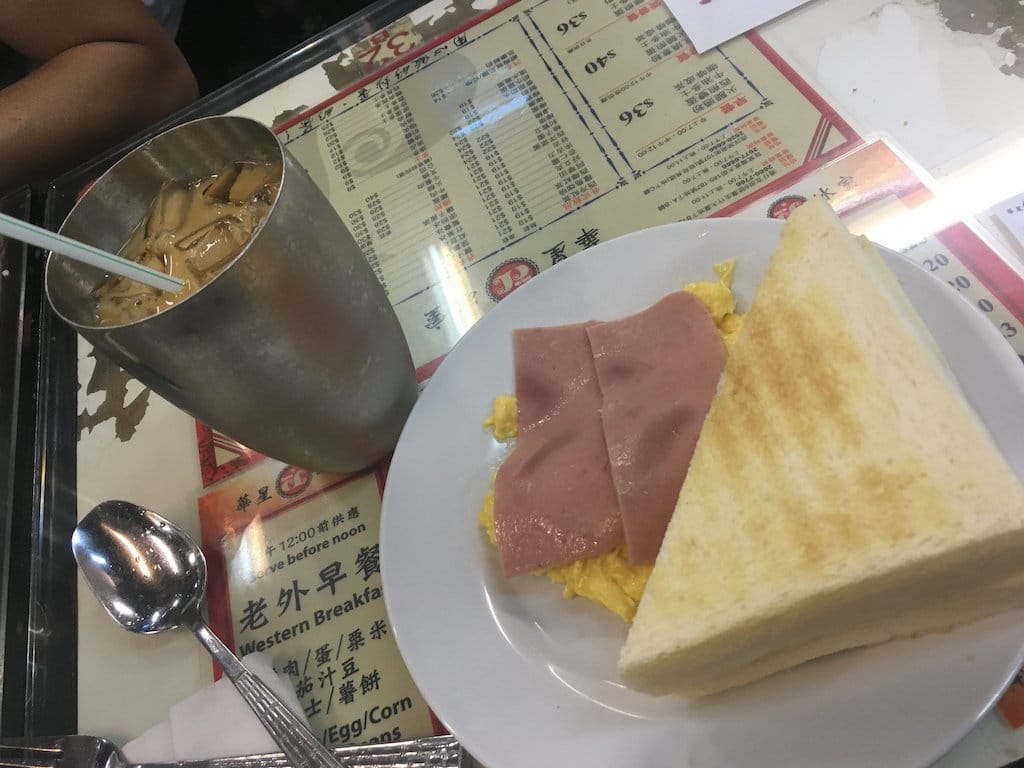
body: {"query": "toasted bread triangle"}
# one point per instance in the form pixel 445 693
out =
pixel 842 492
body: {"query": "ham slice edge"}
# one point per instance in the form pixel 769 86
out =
pixel 658 372
pixel 568 510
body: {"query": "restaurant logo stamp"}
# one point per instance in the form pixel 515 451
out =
pixel 292 481
pixel 508 276
pixel 784 206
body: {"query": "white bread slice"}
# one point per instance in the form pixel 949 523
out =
pixel 842 492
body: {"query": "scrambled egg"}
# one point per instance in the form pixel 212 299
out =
pixel 606 579
pixel 609 579
pixel 504 419
pixel 718 298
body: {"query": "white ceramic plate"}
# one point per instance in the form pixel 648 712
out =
pixel 524 678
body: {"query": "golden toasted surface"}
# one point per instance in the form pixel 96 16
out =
pixel 812 376
pixel 838 457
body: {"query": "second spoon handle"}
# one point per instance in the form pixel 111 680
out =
pixel 298 743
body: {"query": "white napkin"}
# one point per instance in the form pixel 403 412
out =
pixel 712 22
pixel 214 722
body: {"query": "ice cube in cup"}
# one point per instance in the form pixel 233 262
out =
pixel 192 230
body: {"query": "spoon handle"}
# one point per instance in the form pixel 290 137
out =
pixel 302 748
pixel 297 742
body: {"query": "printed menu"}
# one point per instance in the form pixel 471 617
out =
pixel 294 571
pixel 466 168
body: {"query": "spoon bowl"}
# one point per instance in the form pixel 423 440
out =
pixel 150 576
pixel 147 573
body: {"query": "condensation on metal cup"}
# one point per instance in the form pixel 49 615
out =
pixel 293 349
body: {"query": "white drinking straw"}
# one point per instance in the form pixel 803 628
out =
pixel 73 249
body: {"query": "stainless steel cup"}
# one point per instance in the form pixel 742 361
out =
pixel 293 349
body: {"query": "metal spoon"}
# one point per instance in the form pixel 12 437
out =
pixel 150 576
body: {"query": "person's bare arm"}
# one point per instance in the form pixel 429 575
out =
pixel 106 71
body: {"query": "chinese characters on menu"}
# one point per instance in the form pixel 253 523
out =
pixel 295 573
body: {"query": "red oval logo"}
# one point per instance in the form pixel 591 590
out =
pixel 292 481
pixel 784 206
pixel 508 276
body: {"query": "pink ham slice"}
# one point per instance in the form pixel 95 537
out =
pixel 658 371
pixel 554 500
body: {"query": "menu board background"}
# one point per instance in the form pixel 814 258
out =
pixel 470 165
